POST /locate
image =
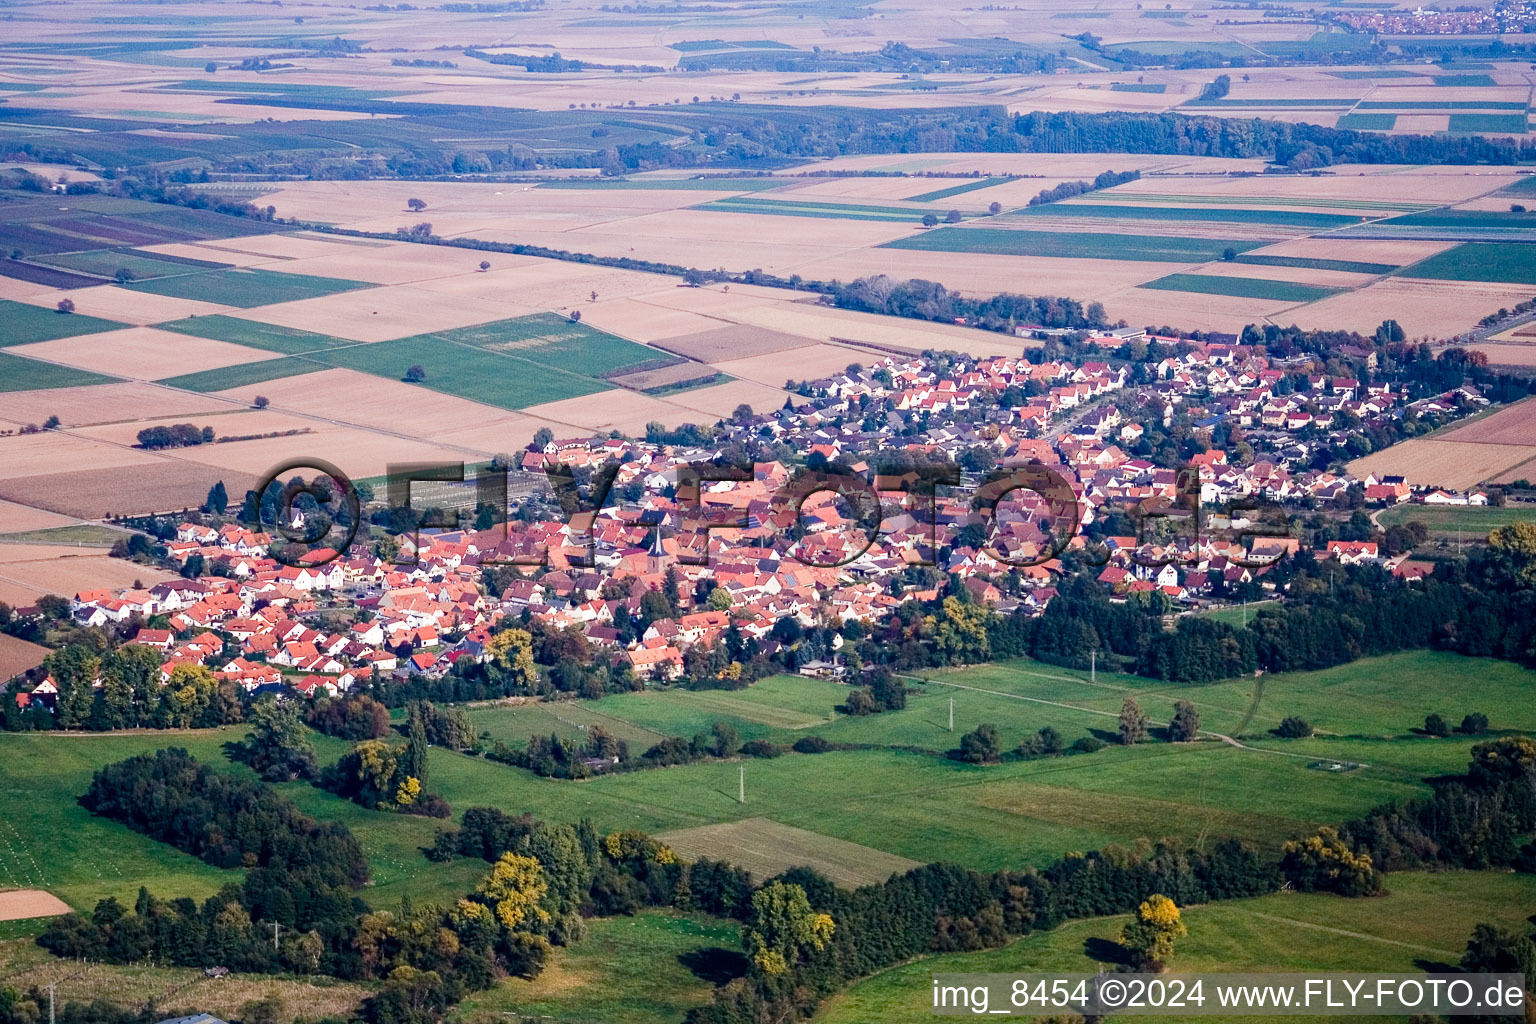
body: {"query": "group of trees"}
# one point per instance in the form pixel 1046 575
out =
pixel 1068 189
pixel 928 300
pixel 178 435
pixel 131 694
pixel 379 774
pixel 883 691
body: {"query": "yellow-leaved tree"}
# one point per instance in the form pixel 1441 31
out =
pixel 783 927
pixel 515 888
pixel 1150 936
pixel 510 655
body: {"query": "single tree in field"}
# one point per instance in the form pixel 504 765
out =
pixel 1186 722
pixel 593 296
pixel 123 275
pixel 930 220
pixel 1133 722
pixel 1475 723
pixel 742 413
pixel 485 265
pixel 952 217
pixel 416 205
pixel 542 437
pixel 415 374
pixel 66 305
pixel 1434 725
pixel 981 745
pixel 1152 933
pixel 1293 727
pixel 210 67
pixel 261 401
pixel 51 423
pixel 218 498
pixel 575 316
pixel 1229 254
pixel 994 207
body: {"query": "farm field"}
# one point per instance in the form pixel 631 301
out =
pixel 1088 245
pixel 1436 462
pixel 1471 520
pixel 647 969
pixel 245 287
pixel 1479 261
pixel 26 323
pixel 20 374
pixel 767 848
pixel 1242 287
pixel 1423 917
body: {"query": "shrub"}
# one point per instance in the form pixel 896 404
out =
pixel 1475 723
pixel 761 748
pixel 812 745
pixel 1434 725
pixel 1294 728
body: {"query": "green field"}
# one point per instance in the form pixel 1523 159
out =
pixel 1105 211
pixel 1151 87
pixel 1238 616
pixel 1243 287
pixel 17 373
pixel 1078 245
pixel 1372 122
pixel 242 374
pixel 1309 263
pixel 81 534
pixel 1490 124
pixel 1473 520
pixel 956 190
pixel 1462 81
pixel 1441 105
pixel 1423 918
pixel 143 265
pixel 247 288
pixel 477 374
pixel 634 970
pixel 1510 262
pixel 554 341
pixel 270 337
pixel 26 323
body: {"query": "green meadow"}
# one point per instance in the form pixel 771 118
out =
pixel 26 323
pixel 1076 244
pixel 18 373
pixel 1510 262
pixel 246 288
pixel 1243 287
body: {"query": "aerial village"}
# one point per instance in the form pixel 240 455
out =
pixel 759 561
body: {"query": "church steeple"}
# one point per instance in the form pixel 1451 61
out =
pixel 656 554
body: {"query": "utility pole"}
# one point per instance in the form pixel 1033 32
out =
pixel 275 927
pixel 741 795
pixel 1093 666
pixel 1245 613
pixel 50 1001
pixel 951 714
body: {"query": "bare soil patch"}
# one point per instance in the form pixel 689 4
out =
pixel 1514 425
pixel 143 353
pixel 157 485
pixel 1436 462
pixel 22 904
pixel 736 342
pixel 102 403
pixel 16 656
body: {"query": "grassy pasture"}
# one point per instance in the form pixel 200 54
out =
pixel 26 323
pixel 1105 211
pixel 1148 87
pixel 254 334
pixel 18 373
pixel 1371 122
pixel 555 341
pixel 512 724
pixel 1463 81
pixel 1243 287
pixel 1473 520
pixel 647 969
pixel 246 288
pixel 1423 917
pixel 766 848
pixel 1509 262
pixel 1079 245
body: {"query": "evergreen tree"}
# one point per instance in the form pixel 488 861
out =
pixel 218 499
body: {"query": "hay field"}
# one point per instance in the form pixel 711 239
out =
pixel 1439 462
pixel 767 848
pixel 142 352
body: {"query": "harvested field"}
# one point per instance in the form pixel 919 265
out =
pixel 141 352
pixel 720 400
pixel 358 453
pixel 1439 309
pixel 675 374
pixel 127 306
pixel 28 454
pixel 379 314
pixel 25 904
pixel 766 848
pixel 404 263
pixel 1508 355
pixel 350 396
pixel 167 485
pixel 29 571
pixel 615 410
pixel 1399 253
pixel 735 342
pixel 101 403
pixel 641 320
pixel 1513 425
pixel 16 657
pixel 808 363
pixel 1438 462
pixel 21 518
